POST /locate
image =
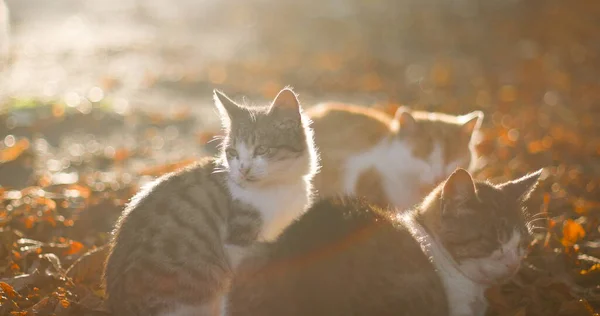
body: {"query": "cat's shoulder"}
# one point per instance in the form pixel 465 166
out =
pixel 201 172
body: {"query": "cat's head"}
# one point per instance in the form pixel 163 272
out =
pixel 484 226
pixel 267 145
pixel 439 143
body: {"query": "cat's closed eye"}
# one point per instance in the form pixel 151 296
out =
pixel 231 153
pixel 262 150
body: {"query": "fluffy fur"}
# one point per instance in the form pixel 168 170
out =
pixel 347 257
pixel 391 160
pixel 179 240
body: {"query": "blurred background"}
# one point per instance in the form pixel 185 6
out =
pixel 98 97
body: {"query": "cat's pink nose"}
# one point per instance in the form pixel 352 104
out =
pixel 244 170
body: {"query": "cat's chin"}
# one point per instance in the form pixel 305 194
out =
pixel 247 183
pixel 488 278
pixel 256 182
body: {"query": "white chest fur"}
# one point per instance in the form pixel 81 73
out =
pixel 401 172
pixel 279 205
pixel 465 297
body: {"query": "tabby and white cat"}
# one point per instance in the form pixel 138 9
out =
pixel 391 160
pixel 346 257
pixel 178 241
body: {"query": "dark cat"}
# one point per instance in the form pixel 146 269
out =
pixel 345 257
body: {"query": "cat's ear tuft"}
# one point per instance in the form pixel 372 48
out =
pixel 459 187
pixel 521 188
pixel 471 122
pixel 227 108
pixel 406 121
pixel 286 102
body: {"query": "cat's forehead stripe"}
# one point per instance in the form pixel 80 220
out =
pixel 244 150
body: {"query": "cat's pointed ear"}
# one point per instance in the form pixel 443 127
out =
pixel 471 122
pixel 286 103
pixel 227 108
pixel 459 187
pixel 521 188
pixel 405 120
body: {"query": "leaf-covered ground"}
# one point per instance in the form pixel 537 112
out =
pixel 67 167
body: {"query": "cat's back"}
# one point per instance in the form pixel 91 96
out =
pixel 336 123
pixel 178 198
pixel 167 240
pixel 343 257
pixel 343 131
pixel 199 177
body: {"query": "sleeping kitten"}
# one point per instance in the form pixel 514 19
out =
pixel 179 240
pixel 391 160
pixel 346 257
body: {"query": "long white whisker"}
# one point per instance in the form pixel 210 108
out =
pixel 537 219
pixel 220 171
pixel 536 228
pixel 538 215
pixel 216 138
pixel 540 227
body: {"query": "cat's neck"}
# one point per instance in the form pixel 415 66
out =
pixel 429 212
pixel 297 183
pixel 429 241
pixel 465 296
pixel 278 205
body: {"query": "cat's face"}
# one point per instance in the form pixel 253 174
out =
pixel 266 145
pixel 483 226
pixel 439 143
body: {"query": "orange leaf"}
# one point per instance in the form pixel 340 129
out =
pixel 122 154
pixel 16 254
pixel 84 192
pixel 65 303
pixel 46 201
pixel 15 267
pixel 74 248
pixel 12 153
pixel 8 290
pixel 572 232
pixel 51 220
pixel 29 221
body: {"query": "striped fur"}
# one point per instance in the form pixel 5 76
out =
pixel 179 240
